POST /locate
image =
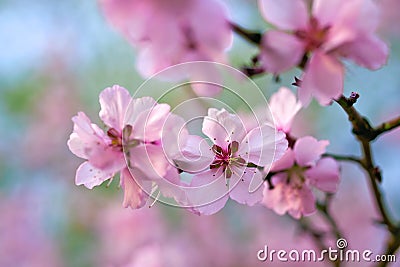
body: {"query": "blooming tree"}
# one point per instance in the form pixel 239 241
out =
pixel 233 156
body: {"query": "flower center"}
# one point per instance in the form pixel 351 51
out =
pixel 315 36
pixel 226 158
pixel 119 141
pixel 296 176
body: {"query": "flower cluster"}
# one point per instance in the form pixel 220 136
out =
pixel 331 30
pixel 150 147
pixel 241 159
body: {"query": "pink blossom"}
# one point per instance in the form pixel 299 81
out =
pixel 284 107
pixel 134 128
pixel 167 33
pixel 296 172
pixel 331 31
pixel 230 166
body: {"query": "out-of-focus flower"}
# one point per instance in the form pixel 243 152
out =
pixel 284 107
pixel 138 135
pixel 390 18
pixel 23 240
pixel 296 172
pixel 47 127
pixel 229 167
pixel 333 30
pixel 167 33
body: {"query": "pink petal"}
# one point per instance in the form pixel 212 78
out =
pixel 77 146
pixel 205 80
pixel 285 14
pixel 137 106
pixel 288 197
pixel 284 106
pixel 114 101
pixel 261 145
pixel 90 176
pixel 214 33
pixel 324 175
pixel 90 142
pixel 246 186
pixel 208 193
pixel 171 186
pixel 323 78
pixel 135 195
pixel 88 132
pixel 280 51
pixel 222 127
pixel 148 162
pixel 360 51
pixel 106 158
pixel 308 150
pixel 352 19
pixel 147 119
pixel 285 162
pixel 302 202
pixel 196 155
pixel 276 198
pixel 174 135
pixel 327 11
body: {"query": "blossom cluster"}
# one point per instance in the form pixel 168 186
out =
pixel 150 147
pixel 248 161
pixel 315 36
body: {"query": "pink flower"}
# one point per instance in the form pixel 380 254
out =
pixel 284 107
pixel 230 167
pixel 296 172
pixel 331 31
pixel 167 33
pixel 133 128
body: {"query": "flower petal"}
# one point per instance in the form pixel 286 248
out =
pixel 205 80
pixel 285 162
pixel 135 195
pixel 285 14
pixel 90 176
pixel 280 51
pixel 114 102
pixel 347 20
pixel 302 202
pixel 148 162
pixel 368 51
pixel 324 175
pixel 208 193
pixel 308 150
pixel 196 155
pixel 246 186
pixel 261 145
pixel 284 106
pixel 276 198
pixel 222 127
pixel 149 122
pixel 323 78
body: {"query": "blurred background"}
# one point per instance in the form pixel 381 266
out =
pixel 55 58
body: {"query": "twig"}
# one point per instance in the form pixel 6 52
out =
pixel 253 37
pixel 387 126
pixel 324 209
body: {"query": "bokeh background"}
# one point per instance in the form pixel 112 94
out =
pixel 55 58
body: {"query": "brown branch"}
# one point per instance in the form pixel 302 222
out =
pixel 387 126
pixel 251 36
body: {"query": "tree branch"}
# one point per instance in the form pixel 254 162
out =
pixel 251 36
pixel 387 126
